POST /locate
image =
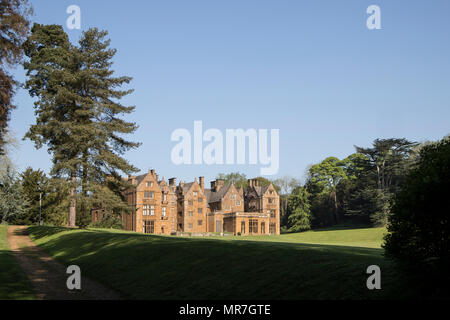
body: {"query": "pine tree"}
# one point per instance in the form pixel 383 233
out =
pixel 299 210
pixel 14 29
pixel 78 115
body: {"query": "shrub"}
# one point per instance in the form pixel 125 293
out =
pixel 419 224
pixel 109 221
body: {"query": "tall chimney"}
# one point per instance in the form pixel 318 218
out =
pixel 173 182
pixel 219 184
pixel 202 183
pixel 250 183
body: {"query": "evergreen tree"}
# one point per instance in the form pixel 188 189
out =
pixel 419 225
pixel 299 210
pixel 78 116
pixel 35 186
pixel 12 200
pixel 14 29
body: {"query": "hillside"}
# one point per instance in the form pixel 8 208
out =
pixel 152 267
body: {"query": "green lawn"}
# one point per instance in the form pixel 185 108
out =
pixel 153 267
pixel 14 284
pixel 363 237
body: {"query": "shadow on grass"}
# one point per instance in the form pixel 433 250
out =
pixel 158 267
pixel 14 284
pixel 39 232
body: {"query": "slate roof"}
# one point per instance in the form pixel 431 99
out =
pixel 260 191
pixel 187 186
pixel 217 196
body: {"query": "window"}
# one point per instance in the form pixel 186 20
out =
pixel 233 197
pixel 191 213
pixel 163 211
pixel 228 208
pixel 190 202
pixel 149 227
pixel 272 213
pixel 200 222
pixel 238 203
pixel 149 194
pixel 253 226
pixel 200 199
pixel 164 197
pixel 149 184
pixel 195 193
pixel 146 210
pixel 190 226
pixel 263 227
pixel 152 210
pixel 271 192
pixel 271 200
pixel 242 227
pixel 200 210
pixel 272 228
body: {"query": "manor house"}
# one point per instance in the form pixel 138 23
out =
pixel 160 207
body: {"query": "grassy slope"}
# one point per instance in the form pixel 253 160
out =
pixel 152 267
pixel 363 237
pixel 14 284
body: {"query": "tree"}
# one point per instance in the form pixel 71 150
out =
pixel 35 186
pixel 239 179
pixel 326 176
pixel 12 201
pixel 78 115
pixel 286 185
pixel 419 224
pixel 299 210
pixel 14 29
pixel 389 160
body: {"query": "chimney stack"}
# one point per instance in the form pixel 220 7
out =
pixel 173 182
pixel 202 183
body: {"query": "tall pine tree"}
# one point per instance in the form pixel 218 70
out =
pixel 14 29
pixel 78 116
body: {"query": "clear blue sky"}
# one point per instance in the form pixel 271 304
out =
pixel 309 68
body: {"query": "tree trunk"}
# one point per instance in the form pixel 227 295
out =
pixel 336 218
pixel 73 202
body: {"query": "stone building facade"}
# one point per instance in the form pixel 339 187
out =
pixel 160 207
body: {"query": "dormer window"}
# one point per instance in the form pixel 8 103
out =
pixel 195 193
pixel 149 184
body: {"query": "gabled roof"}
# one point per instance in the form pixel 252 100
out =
pixel 141 178
pixel 260 191
pixel 186 186
pixel 218 196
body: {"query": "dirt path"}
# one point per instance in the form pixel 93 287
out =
pixel 48 277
